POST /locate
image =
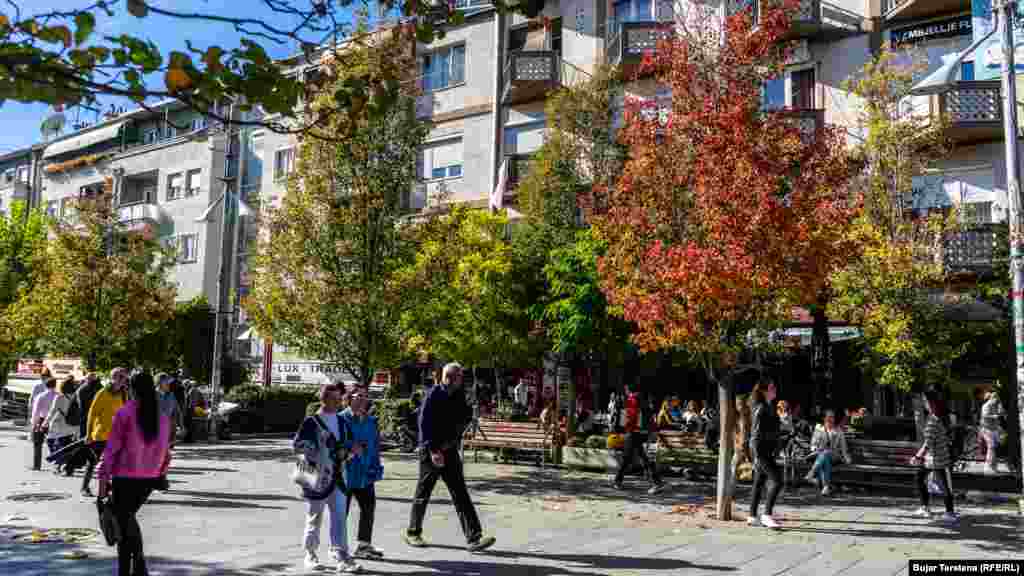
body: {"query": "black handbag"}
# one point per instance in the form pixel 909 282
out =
pixel 108 522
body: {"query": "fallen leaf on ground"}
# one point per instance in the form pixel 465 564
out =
pixel 76 555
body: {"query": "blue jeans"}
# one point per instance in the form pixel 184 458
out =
pixel 822 469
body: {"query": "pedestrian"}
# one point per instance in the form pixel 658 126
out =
pixel 168 400
pixel 38 390
pixel 322 440
pixel 933 459
pixel 60 432
pixel 104 407
pixel 84 396
pixel 364 469
pixel 634 444
pixel 828 446
pixel 40 410
pixel 991 429
pixel 135 455
pixel 764 438
pixel 443 417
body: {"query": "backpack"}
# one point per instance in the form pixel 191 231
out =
pixel 74 415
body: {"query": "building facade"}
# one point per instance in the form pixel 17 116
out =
pixel 19 177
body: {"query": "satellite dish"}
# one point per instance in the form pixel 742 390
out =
pixel 53 125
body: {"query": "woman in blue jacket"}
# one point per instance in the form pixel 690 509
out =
pixel 364 469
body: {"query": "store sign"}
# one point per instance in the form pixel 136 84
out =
pixel 948 28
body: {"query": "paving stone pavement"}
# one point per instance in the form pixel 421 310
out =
pixel 232 510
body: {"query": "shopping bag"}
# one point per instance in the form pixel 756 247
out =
pixel 108 522
pixel 934 485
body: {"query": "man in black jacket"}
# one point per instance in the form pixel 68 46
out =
pixel 84 396
pixel 443 417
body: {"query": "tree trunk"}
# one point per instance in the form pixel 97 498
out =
pixel 726 409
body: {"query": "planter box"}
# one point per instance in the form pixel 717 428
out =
pixel 593 458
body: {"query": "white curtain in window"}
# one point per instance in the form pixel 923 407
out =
pixel 524 139
pixel 458 64
pixel 195 179
pixel 447 153
pixel 175 181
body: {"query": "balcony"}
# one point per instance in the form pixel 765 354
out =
pixel 138 217
pixel 815 19
pixel 971 251
pixel 915 9
pixel 530 74
pixel 627 42
pixel 809 122
pixel 974 111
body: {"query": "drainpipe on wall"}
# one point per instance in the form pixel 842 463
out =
pixel 496 107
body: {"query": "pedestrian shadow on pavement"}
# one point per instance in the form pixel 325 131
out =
pixel 554 564
pixel 991 533
pixel 243 496
pixel 210 503
pixel 196 470
pixel 236 453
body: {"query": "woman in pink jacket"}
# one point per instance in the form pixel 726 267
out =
pixel 136 456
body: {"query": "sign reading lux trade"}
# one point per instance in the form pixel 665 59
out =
pixel 958 26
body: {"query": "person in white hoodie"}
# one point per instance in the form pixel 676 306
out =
pixel 59 433
pixel 828 444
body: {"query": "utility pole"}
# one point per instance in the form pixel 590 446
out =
pixel 1008 8
pixel 223 280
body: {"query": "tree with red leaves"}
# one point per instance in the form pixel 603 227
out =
pixel 727 215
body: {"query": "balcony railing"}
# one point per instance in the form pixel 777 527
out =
pixel 530 74
pixel 970 250
pixel 627 42
pixel 974 110
pixel 138 217
pixel 808 121
pixel 908 9
pixel 812 18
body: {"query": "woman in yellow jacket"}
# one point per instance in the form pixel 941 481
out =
pixel 101 420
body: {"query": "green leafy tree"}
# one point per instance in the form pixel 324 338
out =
pixel 23 244
pixel 460 285
pixel 105 287
pixel 889 287
pixel 326 267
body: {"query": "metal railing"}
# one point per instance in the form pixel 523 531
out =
pixel 634 39
pixel 970 249
pixel 891 5
pixel 540 68
pixel 973 103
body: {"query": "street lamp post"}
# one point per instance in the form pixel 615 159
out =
pixel 1007 10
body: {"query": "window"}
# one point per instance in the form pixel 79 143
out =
pixel 184 247
pixel 171 132
pixel 967 71
pixel 151 136
pixel 23 174
pixel 92 190
pixel 444 68
pixel 556 36
pixel 802 87
pixel 174 190
pixel 441 160
pixel 52 209
pixel 199 123
pixel 978 212
pixel 774 93
pixel 193 182
pixel 9 176
pixel 284 163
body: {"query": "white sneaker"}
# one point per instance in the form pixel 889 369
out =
pixel 923 512
pixel 753 521
pixel 991 470
pixel 312 562
pixel 769 522
pixel 826 490
pixel 346 565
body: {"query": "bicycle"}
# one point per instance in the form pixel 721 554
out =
pixel 795 449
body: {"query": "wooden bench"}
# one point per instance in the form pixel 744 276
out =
pixel 685 450
pixel 519 436
pixel 886 464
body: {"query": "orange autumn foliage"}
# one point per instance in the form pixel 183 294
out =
pixel 726 215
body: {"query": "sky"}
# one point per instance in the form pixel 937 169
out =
pixel 19 123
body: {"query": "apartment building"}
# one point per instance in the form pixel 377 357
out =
pixel 165 165
pixel 19 177
pixel 973 176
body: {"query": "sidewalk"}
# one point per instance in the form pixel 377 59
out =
pixel 232 510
